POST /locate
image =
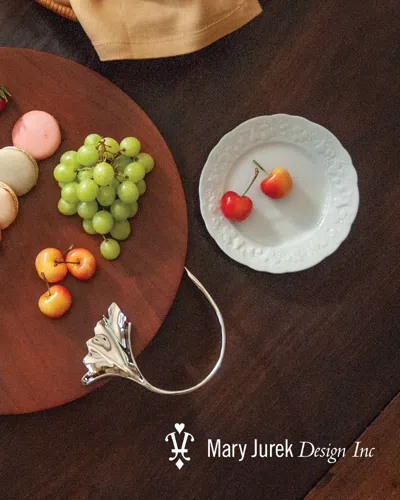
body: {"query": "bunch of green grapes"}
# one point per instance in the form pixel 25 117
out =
pixel 102 182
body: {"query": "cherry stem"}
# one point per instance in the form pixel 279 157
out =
pixel 259 166
pixel 47 283
pixel 59 261
pixel 67 250
pixel 64 262
pixel 256 172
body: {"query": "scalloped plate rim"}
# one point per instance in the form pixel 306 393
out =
pixel 306 264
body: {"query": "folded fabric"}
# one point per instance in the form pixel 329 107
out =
pixel 141 29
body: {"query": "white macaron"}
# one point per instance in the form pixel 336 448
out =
pixel 18 169
pixel 8 206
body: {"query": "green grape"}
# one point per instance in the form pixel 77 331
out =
pixel 88 226
pixel 103 222
pixel 121 162
pixel 111 145
pixel 147 161
pixel 87 155
pixel 135 171
pixel 128 192
pixel 87 190
pixel 92 140
pixel 130 146
pixel 87 209
pixel 121 230
pixel 106 196
pixel 115 183
pixel 69 159
pixel 103 173
pixel 62 184
pixel 119 210
pixel 133 208
pixel 110 249
pixel 64 173
pixel 85 174
pixel 68 192
pixel 66 208
pixel 141 185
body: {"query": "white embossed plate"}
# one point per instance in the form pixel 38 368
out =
pixel 295 232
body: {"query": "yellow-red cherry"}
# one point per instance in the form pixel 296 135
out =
pixel 55 302
pixel 50 262
pixel 81 263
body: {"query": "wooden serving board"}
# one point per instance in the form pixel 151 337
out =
pixel 41 359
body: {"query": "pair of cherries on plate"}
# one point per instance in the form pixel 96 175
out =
pixel 277 184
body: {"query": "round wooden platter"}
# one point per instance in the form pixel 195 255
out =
pixel 41 359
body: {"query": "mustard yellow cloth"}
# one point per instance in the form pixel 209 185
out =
pixel 141 29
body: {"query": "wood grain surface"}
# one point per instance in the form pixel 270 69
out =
pixel 369 477
pixel 41 359
pixel 313 355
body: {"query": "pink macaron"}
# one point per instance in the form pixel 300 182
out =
pixel 38 133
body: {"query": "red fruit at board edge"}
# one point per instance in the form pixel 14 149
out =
pixel 3 97
pixel 236 207
pixel 278 183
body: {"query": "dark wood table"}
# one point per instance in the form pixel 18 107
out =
pixel 312 356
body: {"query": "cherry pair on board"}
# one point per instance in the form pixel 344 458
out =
pixel 52 266
pixel 277 184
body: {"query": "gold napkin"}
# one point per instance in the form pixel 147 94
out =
pixel 141 29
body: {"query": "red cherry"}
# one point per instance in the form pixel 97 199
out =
pixel 236 207
pixel 3 97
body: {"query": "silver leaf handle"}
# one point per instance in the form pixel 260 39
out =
pixel 110 351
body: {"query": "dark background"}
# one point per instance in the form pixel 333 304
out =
pixel 311 356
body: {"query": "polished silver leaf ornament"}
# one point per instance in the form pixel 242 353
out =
pixel 110 351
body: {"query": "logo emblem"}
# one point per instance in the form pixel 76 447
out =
pixel 183 449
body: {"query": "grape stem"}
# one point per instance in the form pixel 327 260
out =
pixel 102 149
pixel 47 283
pixel 120 175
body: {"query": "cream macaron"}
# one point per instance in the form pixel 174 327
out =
pixel 8 206
pixel 18 169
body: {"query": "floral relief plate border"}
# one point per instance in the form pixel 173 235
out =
pixel 342 203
